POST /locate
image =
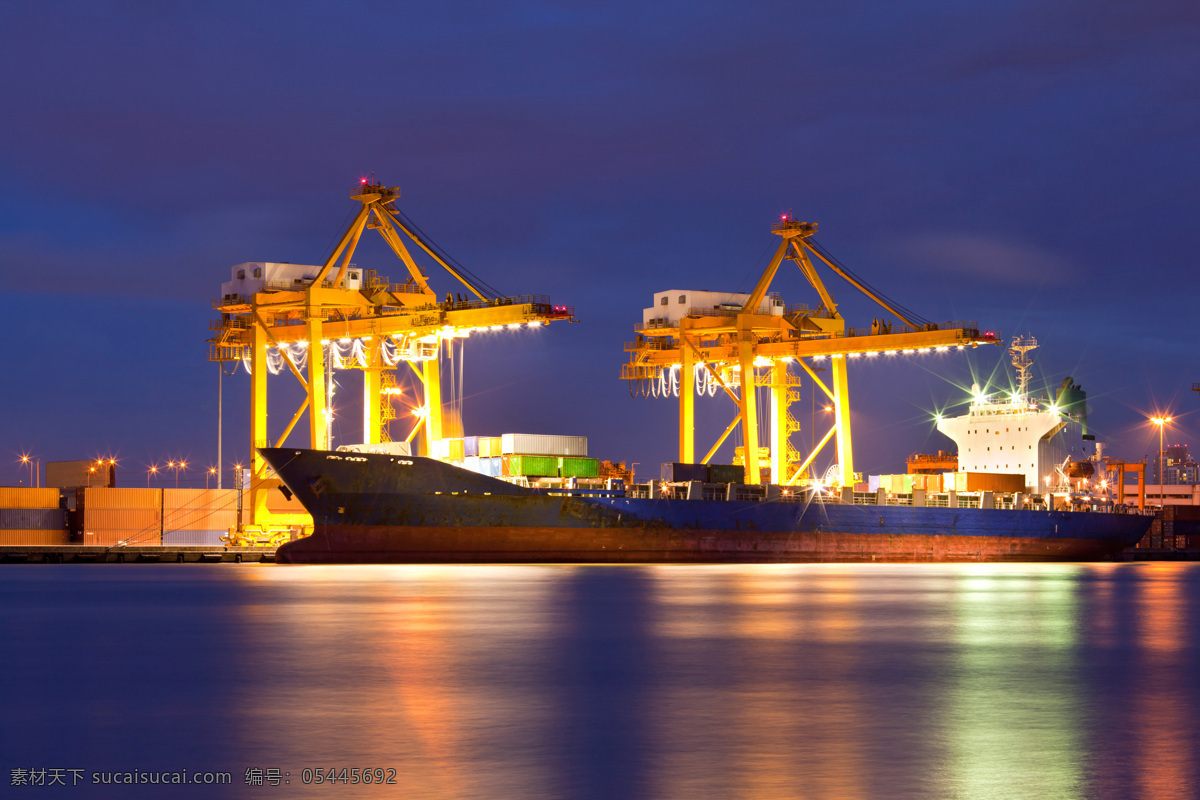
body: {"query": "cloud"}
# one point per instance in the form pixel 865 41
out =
pixel 986 258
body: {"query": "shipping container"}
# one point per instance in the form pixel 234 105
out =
pixel 33 519
pixel 27 497
pixel 988 482
pixel 471 463
pixel 532 466
pixel 470 446
pixel 673 472
pixel 121 498
pixel 139 526
pixel 493 466
pixel 197 537
pixel 726 473
pixel 580 467
pixel 182 519
pixel 115 538
pixel 23 538
pixel 455 450
pixel 439 449
pixel 490 446
pixel 543 445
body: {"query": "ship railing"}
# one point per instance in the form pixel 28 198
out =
pixel 580 492
pixel 970 327
pixel 655 325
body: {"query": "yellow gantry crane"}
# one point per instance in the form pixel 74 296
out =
pixel 293 314
pixel 751 341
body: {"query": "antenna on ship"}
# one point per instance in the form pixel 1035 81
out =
pixel 1019 350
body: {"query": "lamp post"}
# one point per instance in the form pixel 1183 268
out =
pixel 211 471
pixel 182 465
pixel 1161 422
pixel 25 461
pixel 152 471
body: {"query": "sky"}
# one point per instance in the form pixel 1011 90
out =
pixel 1032 166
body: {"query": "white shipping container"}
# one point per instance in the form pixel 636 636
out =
pixel 440 449
pixel 472 463
pixel 539 444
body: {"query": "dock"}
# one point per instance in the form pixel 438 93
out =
pixel 146 554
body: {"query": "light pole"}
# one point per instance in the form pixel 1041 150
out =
pixel 1161 422
pixel 25 460
pixel 152 471
pixel 211 471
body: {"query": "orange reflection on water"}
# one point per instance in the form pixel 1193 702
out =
pixel 768 735
pixel 372 676
pixel 1163 738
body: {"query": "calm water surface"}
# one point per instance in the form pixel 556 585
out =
pixel 854 681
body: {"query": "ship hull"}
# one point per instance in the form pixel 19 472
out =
pixel 380 509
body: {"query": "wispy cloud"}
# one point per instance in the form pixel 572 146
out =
pixel 986 258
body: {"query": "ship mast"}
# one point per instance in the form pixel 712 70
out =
pixel 1019 350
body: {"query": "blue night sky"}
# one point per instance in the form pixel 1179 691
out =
pixel 1029 165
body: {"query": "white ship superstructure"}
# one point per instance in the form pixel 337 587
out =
pixel 1015 434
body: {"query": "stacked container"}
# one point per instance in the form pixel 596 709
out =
pixel 537 444
pixel 570 467
pixel 31 516
pixel 530 466
pixel 198 516
pixel 114 516
pixel 679 473
pixel 725 473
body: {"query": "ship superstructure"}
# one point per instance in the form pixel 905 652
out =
pixel 1018 434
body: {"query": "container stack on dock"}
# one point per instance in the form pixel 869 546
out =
pixel 154 516
pixel 31 516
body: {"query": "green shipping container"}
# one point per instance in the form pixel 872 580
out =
pixel 531 466
pixel 726 473
pixel 573 467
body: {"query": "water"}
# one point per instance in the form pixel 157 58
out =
pixel 799 681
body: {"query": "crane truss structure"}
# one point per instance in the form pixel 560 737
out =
pixel 305 323
pixel 748 347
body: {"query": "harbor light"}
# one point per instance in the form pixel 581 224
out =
pixel 533 323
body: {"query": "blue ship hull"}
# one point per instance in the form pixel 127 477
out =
pixel 389 509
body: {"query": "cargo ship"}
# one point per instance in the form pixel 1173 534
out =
pixel 386 508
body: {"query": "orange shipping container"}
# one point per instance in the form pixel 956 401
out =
pixel 25 538
pixel 198 519
pixel 140 526
pixel 27 497
pixel 113 538
pixel 122 498
pixel 989 482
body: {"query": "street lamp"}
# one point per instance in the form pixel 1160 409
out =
pixel 152 471
pixel 1161 422
pixel 182 465
pixel 211 471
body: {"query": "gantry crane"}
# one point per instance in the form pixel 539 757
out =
pixel 384 324
pixel 752 343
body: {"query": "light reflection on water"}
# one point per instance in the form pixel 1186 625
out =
pixel 787 681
